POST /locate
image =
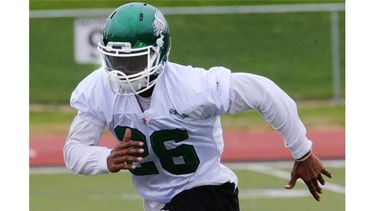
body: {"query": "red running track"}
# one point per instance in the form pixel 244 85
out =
pixel 239 146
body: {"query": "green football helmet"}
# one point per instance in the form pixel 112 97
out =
pixel 134 47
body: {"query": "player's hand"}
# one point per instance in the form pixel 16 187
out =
pixel 310 171
pixel 124 154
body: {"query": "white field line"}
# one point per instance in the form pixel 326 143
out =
pixel 48 170
pixel 269 169
pixel 243 166
pixel 244 194
pixel 271 193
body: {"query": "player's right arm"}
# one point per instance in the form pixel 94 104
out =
pixel 82 155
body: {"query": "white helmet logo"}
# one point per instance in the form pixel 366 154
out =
pixel 160 24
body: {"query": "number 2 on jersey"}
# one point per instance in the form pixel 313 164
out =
pixel 158 139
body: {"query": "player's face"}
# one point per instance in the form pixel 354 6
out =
pixel 127 65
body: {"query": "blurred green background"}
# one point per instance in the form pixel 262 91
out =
pixel 292 49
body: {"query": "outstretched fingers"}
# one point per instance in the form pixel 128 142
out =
pixel 124 154
pixel 321 180
pixel 317 187
pixel 292 182
pixel 313 189
pixel 327 173
pixel 127 136
pixel 128 155
pixel 311 171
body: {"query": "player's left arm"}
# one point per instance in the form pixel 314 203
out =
pixel 310 169
pixel 249 91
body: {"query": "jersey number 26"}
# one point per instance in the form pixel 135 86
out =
pixel 157 139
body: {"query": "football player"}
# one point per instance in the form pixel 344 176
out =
pixel 166 119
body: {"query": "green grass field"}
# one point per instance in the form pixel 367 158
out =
pixel 261 191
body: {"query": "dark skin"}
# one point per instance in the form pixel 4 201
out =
pixel 309 170
pixel 124 154
pixel 147 93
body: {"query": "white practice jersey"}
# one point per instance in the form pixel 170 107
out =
pixel 181 129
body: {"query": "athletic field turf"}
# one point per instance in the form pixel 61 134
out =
pixel 260 184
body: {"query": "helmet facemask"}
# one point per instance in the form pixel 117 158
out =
pixel 131 70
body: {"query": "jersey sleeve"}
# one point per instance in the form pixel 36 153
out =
pixel 249 91
pixel 82 153
pixel 197 92
pixel 220 87
pixel 88 99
